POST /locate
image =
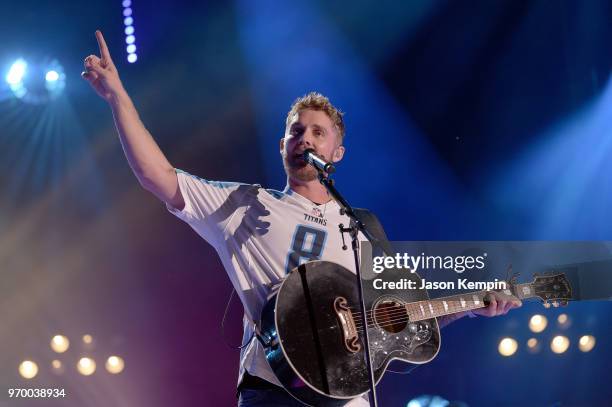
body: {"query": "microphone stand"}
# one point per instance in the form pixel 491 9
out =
pixel 354 229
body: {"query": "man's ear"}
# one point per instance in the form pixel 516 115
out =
pixel 338 154
pixel 282 145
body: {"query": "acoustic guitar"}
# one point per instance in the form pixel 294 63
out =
pixel 311 328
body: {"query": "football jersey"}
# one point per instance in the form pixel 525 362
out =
pixel 260 235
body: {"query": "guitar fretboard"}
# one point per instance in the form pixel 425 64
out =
pixel 420 310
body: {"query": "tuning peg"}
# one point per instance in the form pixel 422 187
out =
pixel 555 304
pixel 546 304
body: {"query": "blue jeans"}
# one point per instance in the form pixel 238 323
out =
pixel 266 398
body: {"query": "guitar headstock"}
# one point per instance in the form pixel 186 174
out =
pixel 552 288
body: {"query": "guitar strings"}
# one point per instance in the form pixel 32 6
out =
pixel 403 311
pixel 435 302
pixel 399 316
pixel 395 317
pixel 450 304
pixel 454 307
pixel 361 328
pixel 373 323
pixel 403 318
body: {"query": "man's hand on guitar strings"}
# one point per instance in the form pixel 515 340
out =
pixel 498 304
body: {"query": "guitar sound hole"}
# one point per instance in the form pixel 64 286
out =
pixel 390 316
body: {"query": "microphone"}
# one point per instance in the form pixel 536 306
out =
pixel 317 162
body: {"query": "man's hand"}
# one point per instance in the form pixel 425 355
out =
pixel 146 159
pixel 499 304
pixel 101 72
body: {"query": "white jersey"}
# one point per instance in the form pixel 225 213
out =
pixel 260 235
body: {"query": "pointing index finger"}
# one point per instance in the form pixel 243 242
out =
pixel 103 48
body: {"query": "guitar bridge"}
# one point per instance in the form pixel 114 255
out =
pixel 349 330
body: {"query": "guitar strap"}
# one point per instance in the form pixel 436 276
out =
pixel 372 224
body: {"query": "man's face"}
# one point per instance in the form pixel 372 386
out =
pixel 309 129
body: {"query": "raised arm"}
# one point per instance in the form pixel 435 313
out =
pixel 148 162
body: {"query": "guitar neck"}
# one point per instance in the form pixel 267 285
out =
pixel 524 291
pixel 439 307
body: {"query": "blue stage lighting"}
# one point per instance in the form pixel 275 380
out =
pixel 16 72
pixel 36 82
pixel 52 76
pixel 428 401
pixel 130 38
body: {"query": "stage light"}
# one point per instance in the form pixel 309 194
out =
pixel 51 76
pixel 538 323
pixel 533 345
pixel 36 82
pixel 507 347
pixel 86 366
pixel 586 343
pixel 564 321
pixel 115 364
pixel 28 369
pixel 428 401
pixel 559 344
pixel 55 80
pixel 130 38
pixel 87 339
pixel 16 72
pixel 57 366
pixel 60 344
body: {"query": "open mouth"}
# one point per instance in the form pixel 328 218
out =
pixel 299 156
pixel 298 160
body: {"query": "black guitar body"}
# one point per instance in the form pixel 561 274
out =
pixel 311 330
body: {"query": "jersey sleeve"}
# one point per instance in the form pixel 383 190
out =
pixel 209 205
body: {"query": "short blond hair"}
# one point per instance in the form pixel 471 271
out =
pixel 316 101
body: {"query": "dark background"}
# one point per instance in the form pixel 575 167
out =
pixel 479 120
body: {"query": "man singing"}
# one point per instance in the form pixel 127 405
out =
pixel 260 234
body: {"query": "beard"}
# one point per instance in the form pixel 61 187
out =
pixel 298 169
